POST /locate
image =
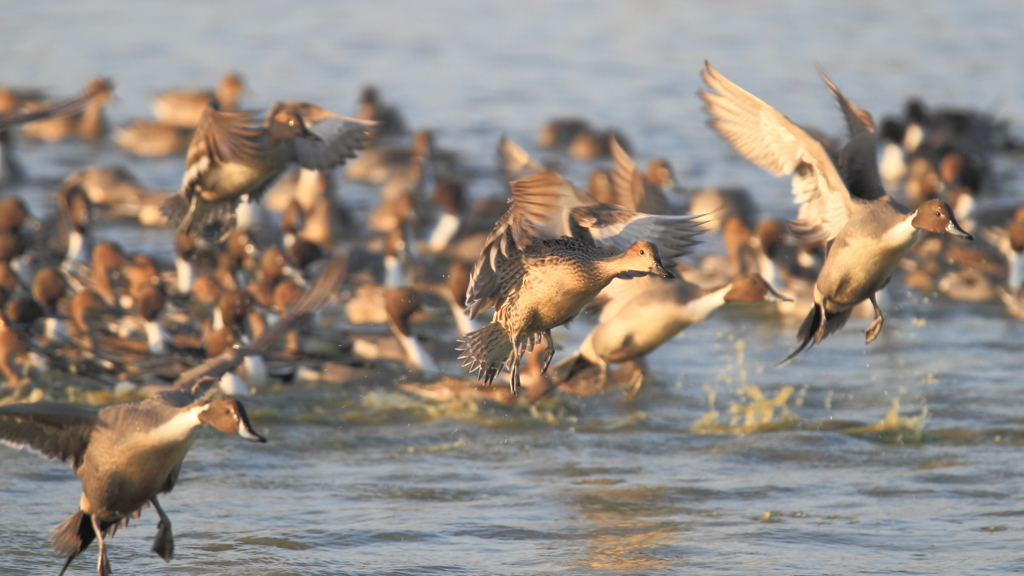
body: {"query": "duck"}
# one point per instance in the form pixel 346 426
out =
pixel 148 139
pixel 537 287
pixel 58 121
pixel 388 118
pixel 230 158
pixel 639 315
pixel 546 205
pixel 184 108
pixel 124 454
pixel 399 304
pixel 866 230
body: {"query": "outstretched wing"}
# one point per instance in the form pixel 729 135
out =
pixel 339 136
pixel 857 120
pixel 765 137
pixel 54 429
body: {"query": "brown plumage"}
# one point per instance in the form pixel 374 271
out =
pixel 230 157
pixel 540 288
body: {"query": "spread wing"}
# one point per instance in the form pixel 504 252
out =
pixel 54 429
pixel 765 137
pixel 220 137
pixel 631 189
pixel 514 161
pixel 339 136
pixel 538 208
pixel 857 120
pixel 615 229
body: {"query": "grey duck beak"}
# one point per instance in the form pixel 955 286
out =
pixel 773 296
pixel 660 270
pixel 955 229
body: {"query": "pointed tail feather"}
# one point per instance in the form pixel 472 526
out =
pixel 817 326
pixel 74 535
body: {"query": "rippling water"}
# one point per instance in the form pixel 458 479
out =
pixel 901 457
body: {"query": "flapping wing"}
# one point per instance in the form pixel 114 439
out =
pixel 220 137
pixel 857 120
pixel 539 208
pixel 615 229
pixel 765 137
pixel 514 161
pixel 627 180
pixel 340 137
pixel 54 429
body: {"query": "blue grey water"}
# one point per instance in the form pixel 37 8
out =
pixel 667 484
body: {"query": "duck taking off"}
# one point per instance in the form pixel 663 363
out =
pixel 125 455
pixel 551 253
pixel 843 203
pixel 229 158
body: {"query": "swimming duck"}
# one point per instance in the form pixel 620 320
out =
pixel 147 139
pixel 640 315
pixel 58 121
pixel 388 118
pixel 230 158
pixel 867 230
pixel 184 108
pixel 125 455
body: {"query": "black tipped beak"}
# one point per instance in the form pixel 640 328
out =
pixel 772 296
pixel 955 229
pixel 246 431
pixel 660 270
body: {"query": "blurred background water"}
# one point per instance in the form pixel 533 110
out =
pixel 382 484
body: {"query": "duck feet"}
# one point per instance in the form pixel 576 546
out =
pixel 876 327
pixel 163 544
pixel 102 564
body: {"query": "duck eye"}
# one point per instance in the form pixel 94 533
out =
pixel 641 252
pixel 938 215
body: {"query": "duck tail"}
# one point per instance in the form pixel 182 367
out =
pixel 175 209
pixel 817 326
pixel 72 536
pixel 807 331
pixel 486 350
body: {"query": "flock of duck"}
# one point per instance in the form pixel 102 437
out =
pixel 263 242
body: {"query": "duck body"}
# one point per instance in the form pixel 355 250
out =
pixel 229 158
pixel 843 201
pixel 125 455
pixel 865 254
pixel 541 288
pixel 146 461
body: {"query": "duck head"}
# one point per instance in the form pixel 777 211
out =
pixel 643 256
pixel 286 122
pixel 228 415
pixel 936 216
pixel 752 288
